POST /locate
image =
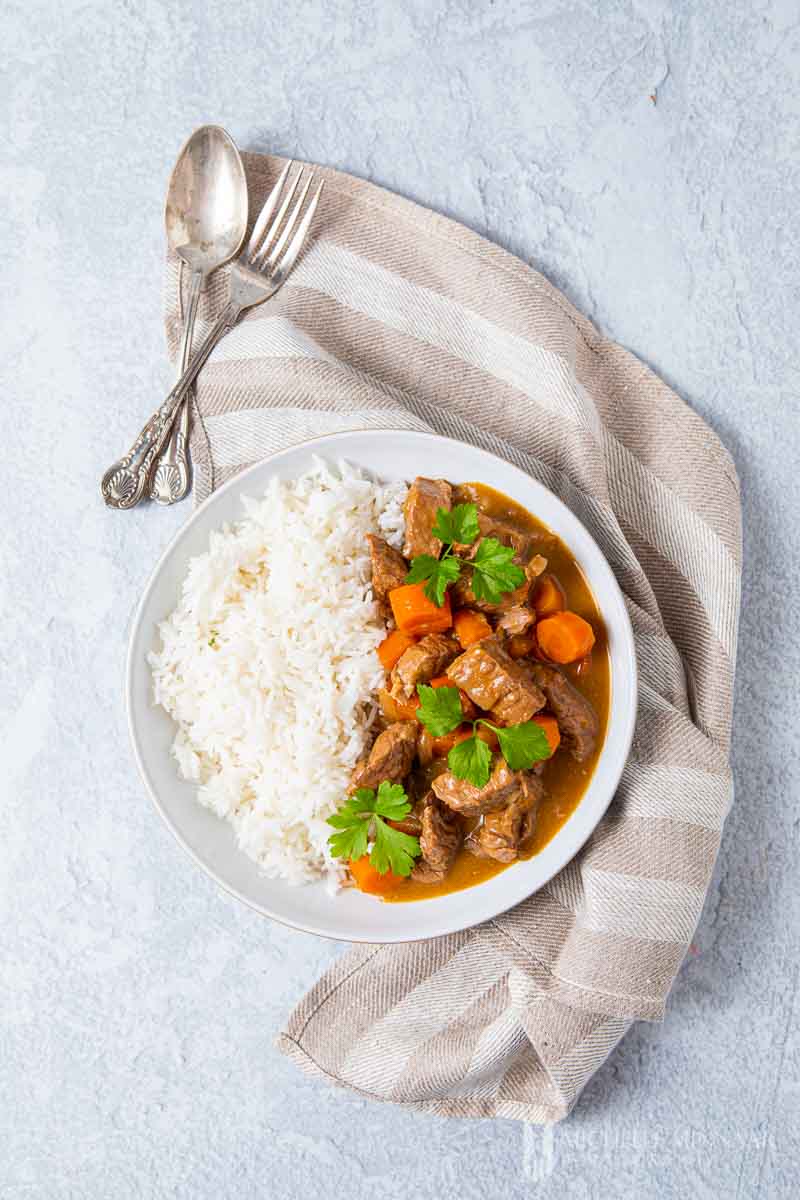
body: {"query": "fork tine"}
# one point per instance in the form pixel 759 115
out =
pixel 288 260
pixel 290 224
pixel 258 258
pixel 267 211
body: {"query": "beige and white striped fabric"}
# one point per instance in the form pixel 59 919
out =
pixel 398 318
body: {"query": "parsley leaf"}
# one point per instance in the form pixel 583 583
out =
pixel 440 709
pixel 351 840
pixel 438 573
pixel 522 745
pixel 392 801
pixel 471 760
pixel 421 568
pixel 363 816
pixel 393 850
pixel 494 572
pixel 460 524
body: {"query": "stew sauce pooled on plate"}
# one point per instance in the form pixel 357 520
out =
pixel 495 702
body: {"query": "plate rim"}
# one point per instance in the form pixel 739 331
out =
pixel 239 481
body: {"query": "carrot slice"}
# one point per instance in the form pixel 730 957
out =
pixel 550 726
pixel 393 647
pixel 548 596
pixel 470 627
pixel 415 613
pixel 441 746
pixel 565 637
pixel 398 710
pixel 371 881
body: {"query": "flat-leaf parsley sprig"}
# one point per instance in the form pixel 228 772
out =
pixel 493 570
pixel 522 746
pixel 362 820
pixel 439 709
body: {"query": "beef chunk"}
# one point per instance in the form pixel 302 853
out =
pixel 421 662
pixel 525 544
pixel 411 823
pixel 391 756
pixel 389 568
pixel 463 797
pixel 440 840
pixel 502 833
pixel 494 681
pixel 517 620
pixel 576 718
pixel 518 706
pixel 425 496
pixel 463 596
pixel 509 534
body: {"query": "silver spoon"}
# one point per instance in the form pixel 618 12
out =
pixel 206 220
pixel 257 273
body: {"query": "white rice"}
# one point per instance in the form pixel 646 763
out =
pixel 268 663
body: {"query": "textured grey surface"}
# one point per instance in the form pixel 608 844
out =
pixel 645 156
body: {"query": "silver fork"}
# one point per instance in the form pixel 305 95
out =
pixel 259 271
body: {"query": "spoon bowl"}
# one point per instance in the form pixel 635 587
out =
pixel 206 209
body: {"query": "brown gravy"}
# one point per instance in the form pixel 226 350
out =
pixel 565 779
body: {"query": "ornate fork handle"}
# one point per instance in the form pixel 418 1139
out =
pixel 125 482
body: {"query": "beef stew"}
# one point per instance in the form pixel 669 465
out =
pixel 493 742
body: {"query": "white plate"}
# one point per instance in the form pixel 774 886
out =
pixel 352 916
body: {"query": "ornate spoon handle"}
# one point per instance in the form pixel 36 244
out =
pixel 125 482
pixel 169 481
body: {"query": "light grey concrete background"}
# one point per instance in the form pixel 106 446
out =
pixel 645 156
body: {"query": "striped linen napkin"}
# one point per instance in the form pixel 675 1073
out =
pixel 399 318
